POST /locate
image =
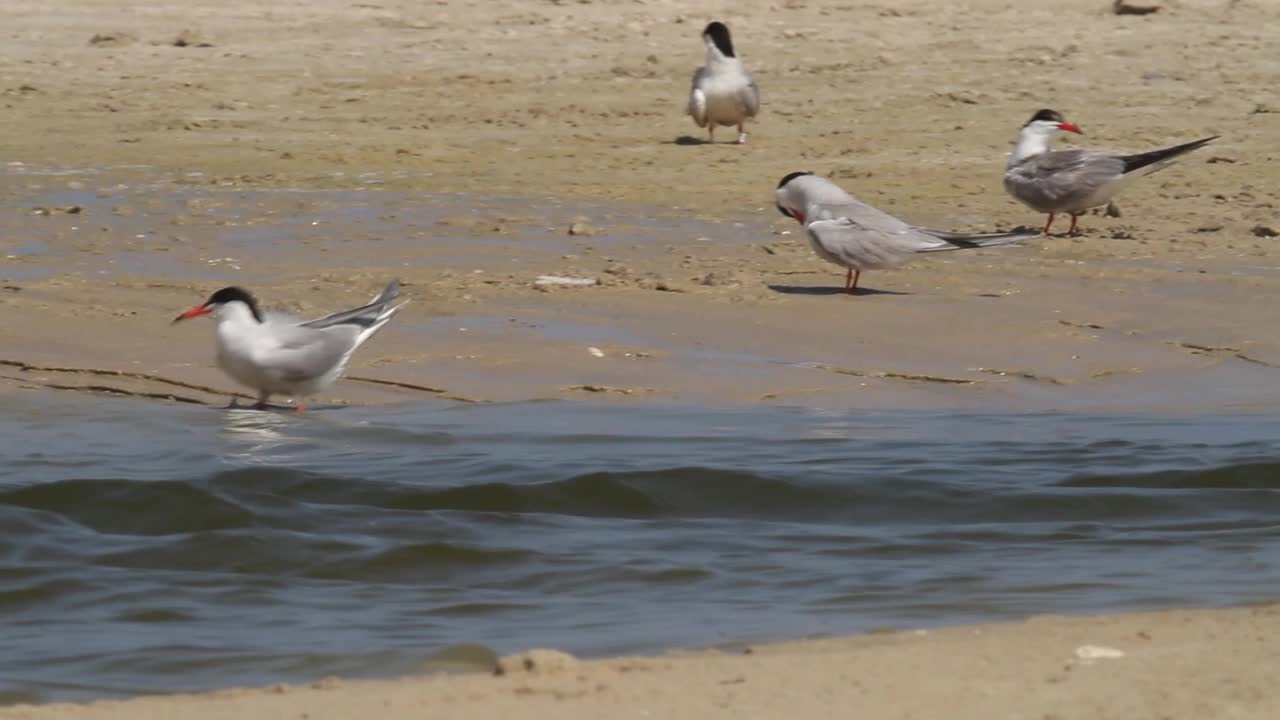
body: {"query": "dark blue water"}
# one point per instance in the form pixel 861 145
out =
pixel 149 547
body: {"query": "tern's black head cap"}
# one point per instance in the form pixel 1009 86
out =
pixel 232 294
pixel 792 176
pixel 719 34
pixel 1047 115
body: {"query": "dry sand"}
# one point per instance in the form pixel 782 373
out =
pixel 181 122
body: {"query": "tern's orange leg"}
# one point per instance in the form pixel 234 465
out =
pixel 742 134
pixel 1049 224
pixel 711 131
pixel 851 280
pixel 299 407
pixel 1074 218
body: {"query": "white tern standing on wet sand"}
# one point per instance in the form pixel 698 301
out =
pixel 1072 181
pixel 723 92
pixel 849 233
pixel 277 354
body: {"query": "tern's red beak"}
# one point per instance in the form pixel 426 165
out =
pixel 1070 127
pixel 193 312
pixel 799 216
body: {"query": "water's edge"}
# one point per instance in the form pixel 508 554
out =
pixel 157 548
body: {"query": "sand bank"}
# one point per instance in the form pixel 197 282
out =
pixel 169 128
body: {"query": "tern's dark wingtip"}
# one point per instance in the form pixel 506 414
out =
pixel 389 293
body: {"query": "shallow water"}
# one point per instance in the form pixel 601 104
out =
pixel 149 227
pixel 148 547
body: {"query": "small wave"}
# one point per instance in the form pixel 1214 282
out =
pixel 477 609
pixel 130 507
pixel 154 615
pixel 700 492
pixel 42 593
pixel 668 492
pixel 1237 476
pixel 239 552
pixel 687 491
pixel 415 562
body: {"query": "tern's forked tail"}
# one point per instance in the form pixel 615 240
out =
pixel 1161 158
pixel 963 241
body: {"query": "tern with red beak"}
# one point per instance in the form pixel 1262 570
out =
pixel 276 354
pixel 723 92
pixel 849 233
pixel 1072 181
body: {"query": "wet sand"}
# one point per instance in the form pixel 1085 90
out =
pixel 153 151
pixel 573 113
pixel 1170 665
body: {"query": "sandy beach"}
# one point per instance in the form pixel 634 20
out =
pixel 155 152
pixel 1186 664
pixel 140 140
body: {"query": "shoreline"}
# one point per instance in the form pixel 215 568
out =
pixel 1172 664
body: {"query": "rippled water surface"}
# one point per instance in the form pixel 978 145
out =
pixel 148 547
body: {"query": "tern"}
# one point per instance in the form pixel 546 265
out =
pixel 849 233
pixel 1072 181
pixel 277 354
pixel 723 92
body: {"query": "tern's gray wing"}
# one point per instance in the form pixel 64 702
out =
pixel 864 215
pixel 858 236
pixel 749 96
pixel 1063 179
pixel 699 77
pixel 698 97
pixel 364 316
pixel 303 354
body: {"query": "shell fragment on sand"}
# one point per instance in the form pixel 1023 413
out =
pixel 568 281
pixel 1092 653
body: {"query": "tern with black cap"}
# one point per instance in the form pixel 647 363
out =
pixel 1072 181
pixel 723 92
pixel 847 232
pixel 276 354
